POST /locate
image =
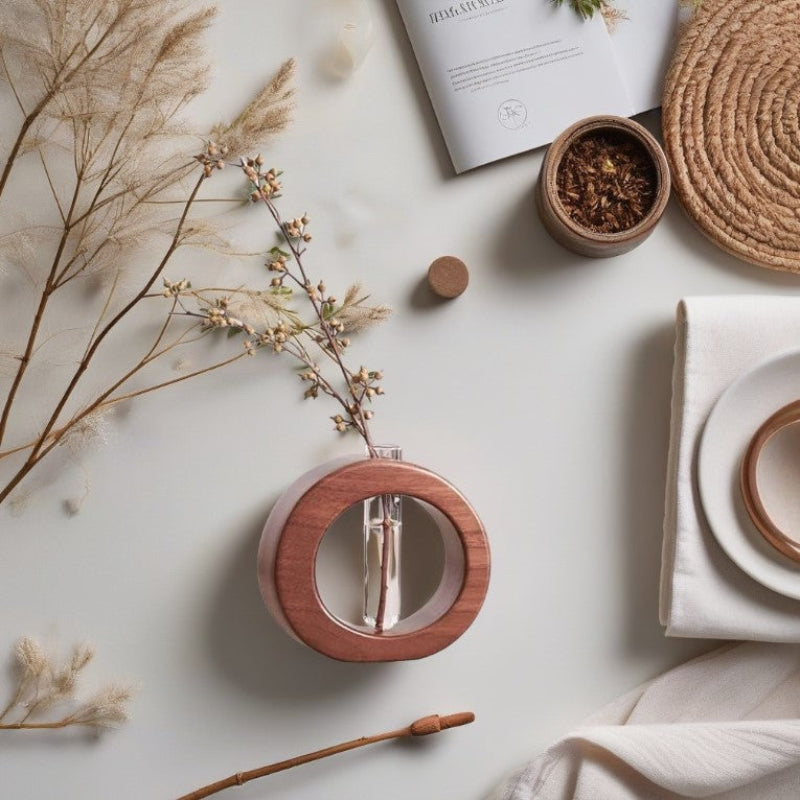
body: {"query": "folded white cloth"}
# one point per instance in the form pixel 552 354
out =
pixel 703 593
pixel 726 725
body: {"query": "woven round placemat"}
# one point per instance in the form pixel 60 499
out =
pixel 731 115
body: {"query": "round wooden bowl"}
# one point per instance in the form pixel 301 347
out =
pixel 576 237
pixel 294 530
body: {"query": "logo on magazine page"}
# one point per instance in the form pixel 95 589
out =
pixel 512 114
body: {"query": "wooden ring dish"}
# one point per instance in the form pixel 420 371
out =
pixel 297 524
pixel 748 480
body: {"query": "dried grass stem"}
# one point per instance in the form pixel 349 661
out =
pixel 45 443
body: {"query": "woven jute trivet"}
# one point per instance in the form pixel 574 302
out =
pixel 731 114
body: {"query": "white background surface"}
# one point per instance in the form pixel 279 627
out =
pixel 542 393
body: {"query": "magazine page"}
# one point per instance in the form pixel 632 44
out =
pixel 505 76
pixel 643 35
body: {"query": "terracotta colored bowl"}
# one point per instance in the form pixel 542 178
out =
pixel 576 237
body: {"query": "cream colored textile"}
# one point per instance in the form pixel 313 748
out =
pixel 725 726
pixel 703 593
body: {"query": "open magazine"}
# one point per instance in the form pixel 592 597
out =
pixel 505 76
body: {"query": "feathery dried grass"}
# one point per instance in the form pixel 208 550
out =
pixel 269 111
pixel 101 87
pixel 356 315
pixel 45 683
pixel 261 309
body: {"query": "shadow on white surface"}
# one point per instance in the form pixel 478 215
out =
pixel 701 249
pixel 646 445
pixel 254 653
pixel 647 419
pixel 524 248
pixel 422 298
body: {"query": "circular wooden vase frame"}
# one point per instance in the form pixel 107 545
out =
pixel 292 535
pixel 783 418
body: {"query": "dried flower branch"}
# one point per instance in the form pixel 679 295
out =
pixel 46 685
pixel 100 86
pixel 421 727
pixel 324 335
pixel 266 320
pixel 326 332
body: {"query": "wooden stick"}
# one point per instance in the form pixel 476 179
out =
pixel 37 726
pixel 421 727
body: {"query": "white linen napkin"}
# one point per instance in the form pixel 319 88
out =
pixel 703 593
pixel 725 725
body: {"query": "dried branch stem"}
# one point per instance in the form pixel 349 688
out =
pixel 45 443
pixel 62 77
pixel 354 409
pixel 20 726
pixel 108 402
pixel 147 390
pixel 421 727
pixel 333 346
pixel 47 291
pixel 109 78
pixel 386 549
pixel 114 321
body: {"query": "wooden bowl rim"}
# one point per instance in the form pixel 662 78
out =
pixel 555 153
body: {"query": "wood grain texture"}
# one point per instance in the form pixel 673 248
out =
pixel 748 480
pixel 564 229
pixel 448 277
pixel 294 531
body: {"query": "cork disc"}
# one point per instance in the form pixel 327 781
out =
pixel 448 276
pixel 731 116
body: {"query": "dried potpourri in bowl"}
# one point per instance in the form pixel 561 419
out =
pixel 603 186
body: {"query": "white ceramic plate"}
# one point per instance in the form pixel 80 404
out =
pixel 733 420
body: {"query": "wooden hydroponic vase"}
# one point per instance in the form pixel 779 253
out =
pixel 297 524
